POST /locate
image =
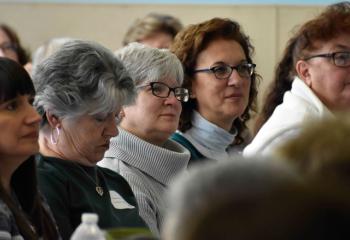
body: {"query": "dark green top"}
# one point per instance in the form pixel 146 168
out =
pixel 70 190
pixel 196 156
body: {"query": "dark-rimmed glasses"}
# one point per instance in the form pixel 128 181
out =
pixel 162 90
pixel 7 47
pixel 339 59
pixel 224 71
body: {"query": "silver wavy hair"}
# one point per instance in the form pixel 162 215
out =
pixel 146 64
pixel 47 49
pixel 81 78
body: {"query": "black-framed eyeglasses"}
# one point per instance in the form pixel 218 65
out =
pixel 339 59
pixel 162 90
pixel 8 46
pixel 224 71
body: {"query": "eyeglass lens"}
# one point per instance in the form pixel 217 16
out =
pixel 225 71
pixel 341 59
pixel 163 91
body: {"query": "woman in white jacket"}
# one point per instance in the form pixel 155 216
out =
pixel 312 80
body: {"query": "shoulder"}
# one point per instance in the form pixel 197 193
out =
pixel 4 210
pixel 52 168
pixel 181 139
pixel 8 227
pixel 115 180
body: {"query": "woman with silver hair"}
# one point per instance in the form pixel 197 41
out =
pixel 80 91
pixel 142 152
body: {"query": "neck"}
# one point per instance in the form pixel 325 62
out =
pixel 50 150
pixel 8 167
pixel 153 138
pixel 224 123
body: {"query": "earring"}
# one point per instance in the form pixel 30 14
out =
pixel 52 138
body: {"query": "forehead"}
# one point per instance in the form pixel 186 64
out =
pixel 221 50
pixel 342 42
pixel 170 81
pixel 158 40
pixel 3 37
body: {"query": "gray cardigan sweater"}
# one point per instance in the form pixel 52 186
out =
pixel 148 169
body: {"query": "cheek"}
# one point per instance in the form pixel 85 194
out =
pixel 13 56
pixel 246 88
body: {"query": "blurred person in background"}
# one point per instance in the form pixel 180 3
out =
pixel 321 150
pixel 155 30
pixel 10 47
pixel 250 199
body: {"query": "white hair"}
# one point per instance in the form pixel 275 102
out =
pixel 146 64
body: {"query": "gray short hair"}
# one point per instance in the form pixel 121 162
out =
pixel 81 78
pixel 47 49
pixel 146 64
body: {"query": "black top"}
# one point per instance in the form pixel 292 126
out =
pixel 70 190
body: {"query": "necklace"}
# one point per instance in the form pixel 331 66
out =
pixel 98 188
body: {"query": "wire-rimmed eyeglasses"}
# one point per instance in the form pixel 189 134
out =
pixel 162 90
pixel 224 71
pixel 339 59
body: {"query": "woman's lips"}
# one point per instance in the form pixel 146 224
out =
pixel 235 95
pixel 34 134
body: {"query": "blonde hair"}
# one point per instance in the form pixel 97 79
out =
pixel 151 24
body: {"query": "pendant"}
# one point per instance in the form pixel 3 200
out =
pixel 99 190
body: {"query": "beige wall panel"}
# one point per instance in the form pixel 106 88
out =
pixel 107 24
pixel 268 26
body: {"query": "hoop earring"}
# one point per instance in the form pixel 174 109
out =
pixel 52 139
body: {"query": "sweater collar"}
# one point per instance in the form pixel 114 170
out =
pixel 161 163
pixel 208 138
pixel 299 88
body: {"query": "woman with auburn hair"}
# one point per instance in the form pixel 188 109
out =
pixel 312 79
pixel 220 73
pixel 23 213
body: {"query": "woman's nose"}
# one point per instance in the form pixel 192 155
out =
pixel 32 115
pixel 234 79
pixel 111 129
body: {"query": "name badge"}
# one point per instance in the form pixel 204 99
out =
pixel 118 201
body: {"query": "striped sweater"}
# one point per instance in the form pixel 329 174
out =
pixel 148 169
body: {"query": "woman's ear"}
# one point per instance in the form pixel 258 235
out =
pixel 121 114
pixel 303 70
pixel 192 95
pixel 53 120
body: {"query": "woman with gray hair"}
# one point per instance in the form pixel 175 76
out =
pixel 80 91
pixel 142 152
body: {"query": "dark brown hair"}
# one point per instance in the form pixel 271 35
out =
pixel 187 46
pixel 14 81
pixel 332 22
pixel 22 54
